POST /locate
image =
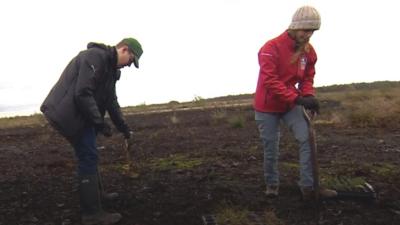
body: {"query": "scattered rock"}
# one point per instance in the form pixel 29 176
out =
pixel 66 222
pixel 235 164
pixel 397 212
pixel 34 219
pixel 251 158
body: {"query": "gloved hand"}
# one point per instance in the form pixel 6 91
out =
pixel 105 129
pixel 309 102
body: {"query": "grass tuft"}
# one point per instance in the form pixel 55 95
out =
pixel 230 215
pixel 175 162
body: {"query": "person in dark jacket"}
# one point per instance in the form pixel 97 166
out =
pixel 76 107
pixel 284 87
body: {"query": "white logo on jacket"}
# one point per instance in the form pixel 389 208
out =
pixel 94 69
pixel 303 62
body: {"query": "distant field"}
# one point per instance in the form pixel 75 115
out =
pixel 359 104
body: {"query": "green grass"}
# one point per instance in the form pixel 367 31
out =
pixel 237 121
pixel 363 108
pixel 386 170
pixel 175 162
pixel 22 121
pixel 199 101
pixel 231 215
pixel 342 183
pixel 290 166
pixel 227 214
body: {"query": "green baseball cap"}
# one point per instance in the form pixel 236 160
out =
pixel 135 48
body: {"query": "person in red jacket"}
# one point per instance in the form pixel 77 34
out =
pixel 284 87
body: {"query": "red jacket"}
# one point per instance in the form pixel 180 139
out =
pixel 276 87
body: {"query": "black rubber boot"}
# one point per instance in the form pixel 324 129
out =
pixel 89 194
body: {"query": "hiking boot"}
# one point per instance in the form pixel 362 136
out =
pixel 327 193
pixel 102 218
pixel 90 200
pixel 272 190
pixel 324 193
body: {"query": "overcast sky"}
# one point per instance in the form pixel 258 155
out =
pixel 205 48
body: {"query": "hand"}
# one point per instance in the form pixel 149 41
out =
pixel 105 129
pixel 309 102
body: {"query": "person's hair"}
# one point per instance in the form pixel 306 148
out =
pixel 121 44
pixel 300 49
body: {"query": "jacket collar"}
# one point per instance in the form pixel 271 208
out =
pixel 111 55
pixel 113 62
pixel 285 37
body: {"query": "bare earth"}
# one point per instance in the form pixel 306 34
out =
pixel 190 163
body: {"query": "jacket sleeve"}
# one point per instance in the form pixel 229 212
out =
pixel 90 70
pixel 306 86
pixel 269 61
pixel 114 110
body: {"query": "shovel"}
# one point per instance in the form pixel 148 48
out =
pixel 310 117
pixel 364 192
pixel 367 191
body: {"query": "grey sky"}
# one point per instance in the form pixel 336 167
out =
pixel 203 48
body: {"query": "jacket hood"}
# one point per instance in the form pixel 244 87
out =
pixel 98 45
pixel 111 52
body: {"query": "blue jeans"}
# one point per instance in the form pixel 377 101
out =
pixel 86 152
pixel 268 126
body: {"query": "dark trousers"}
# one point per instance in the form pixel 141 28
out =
pixel 86 152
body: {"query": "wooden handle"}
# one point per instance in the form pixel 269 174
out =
pixel 310 117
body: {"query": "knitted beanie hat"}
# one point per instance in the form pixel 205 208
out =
pixel 305 18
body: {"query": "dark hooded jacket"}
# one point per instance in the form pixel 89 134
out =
pixel 84 92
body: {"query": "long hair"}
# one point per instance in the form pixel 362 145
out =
pixel 300 49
